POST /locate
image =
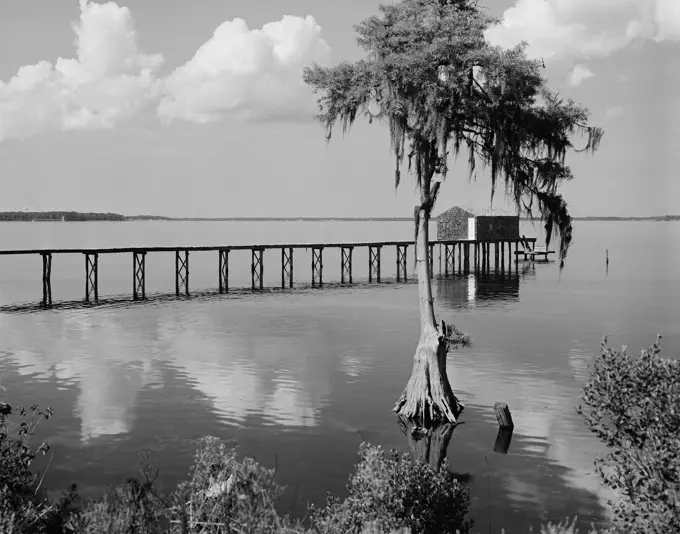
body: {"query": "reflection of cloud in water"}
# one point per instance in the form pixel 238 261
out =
pixel 542 410
pixel 94 345
pixel 288 406
pixel 263 362
pixel 230 370
pixel 353 364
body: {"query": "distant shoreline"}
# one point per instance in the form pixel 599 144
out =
pixel 73 216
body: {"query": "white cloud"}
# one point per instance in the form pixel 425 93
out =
pixel 247 74
pixel 109 80
pixel 614 111
pixel 579 74
pixel 559 29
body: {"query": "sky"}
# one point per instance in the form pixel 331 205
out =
pixel 197 109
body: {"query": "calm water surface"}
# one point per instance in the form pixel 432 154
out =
pixel 305 377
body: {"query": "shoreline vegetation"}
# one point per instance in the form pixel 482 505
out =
pixel 76 216
pixel 630 403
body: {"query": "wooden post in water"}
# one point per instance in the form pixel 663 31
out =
pixel 317 266
pixel 287 267
pixel 402 265
pixel 46 279
pixel 223 272
pixel 139 275
pixel 503 415
pixel 181 272
pixel 256 268
pixel 374 263
pixel 431 259
pixel 506 427
pixel 91 276
pixel 346 264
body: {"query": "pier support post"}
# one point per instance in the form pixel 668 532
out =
pixel 401 263
pixel 449 262
pixel 317 266
pixel 181 272
pixel 502 245
pixel 224 270
pixel 138 275
pixel 91 276
pixel 374 263
pixel 257 268
pixel 346 267
pixel 287 267
pixel 431 259
pixel 495 256
pixel 46 279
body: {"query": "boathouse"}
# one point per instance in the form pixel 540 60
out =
pixel 459 224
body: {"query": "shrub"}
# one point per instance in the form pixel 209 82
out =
pixel 21 509
pixel 391 493
pixel 226 494
pixel 633 406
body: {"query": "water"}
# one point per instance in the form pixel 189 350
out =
pixel 301 379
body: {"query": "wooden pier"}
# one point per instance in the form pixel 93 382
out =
pixel 454 256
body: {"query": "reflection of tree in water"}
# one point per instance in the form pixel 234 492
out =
pixel 467 290
pixel 520 491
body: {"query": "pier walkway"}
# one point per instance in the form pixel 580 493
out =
pixel 465 256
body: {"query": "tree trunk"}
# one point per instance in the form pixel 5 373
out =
pixel 428 398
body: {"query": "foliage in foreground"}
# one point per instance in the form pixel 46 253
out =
pixel 393 493
pixel 633 406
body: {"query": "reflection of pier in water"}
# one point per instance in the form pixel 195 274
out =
pixel 468 290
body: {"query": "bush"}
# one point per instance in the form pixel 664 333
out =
pixel 226 494
pixel 392 493
pixel 633 406
pixel 21 508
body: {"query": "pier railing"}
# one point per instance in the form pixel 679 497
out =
pixel 463 255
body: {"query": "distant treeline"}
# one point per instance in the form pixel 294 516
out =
pixel 71 216
pixel 80 216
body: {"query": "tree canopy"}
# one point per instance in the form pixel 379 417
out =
pixel 431 76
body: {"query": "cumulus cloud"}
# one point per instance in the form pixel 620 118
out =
pixel 109 80
pixel 247 74
pixel 561 29
pixel 579 74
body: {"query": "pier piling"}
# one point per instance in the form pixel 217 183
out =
pixel 317 266
pixel 138 275
pixel 374 263
pixel 402 265
pixel 224 270
pixel 257 268
pixel 346 267
pixel 286 267
pixel 182 272
pixel 46 280
pixel 91 276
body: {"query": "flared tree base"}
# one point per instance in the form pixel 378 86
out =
pixel 428 399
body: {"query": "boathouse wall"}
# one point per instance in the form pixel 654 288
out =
pixel 497 227
pixel 453 224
